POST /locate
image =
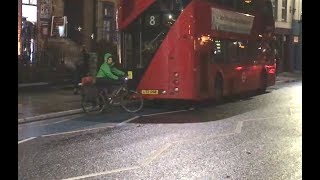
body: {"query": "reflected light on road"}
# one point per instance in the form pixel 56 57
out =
pixel 297 96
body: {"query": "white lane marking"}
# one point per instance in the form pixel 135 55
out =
pixel 70 132
pixel 25 140
pixel 103 173
pixel 128 120
pixel 239 127
pixel 49 115
pixel 145 162
pixel 290 111
pixel 206 137
pixel 240 123
pixel 169 112
pixel 257 119
pixel 153 156
pixel 56 122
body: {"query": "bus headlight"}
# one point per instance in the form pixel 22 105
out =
pixel 176 89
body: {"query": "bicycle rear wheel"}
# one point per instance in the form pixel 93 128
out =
pixel 93 105
pixel 131 101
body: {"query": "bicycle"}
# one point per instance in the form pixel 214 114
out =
pixel 95 100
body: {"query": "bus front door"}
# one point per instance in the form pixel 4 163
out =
pixel 131 56
pixel 204 74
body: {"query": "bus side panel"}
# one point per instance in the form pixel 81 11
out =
pixel 182 58
pixel 182 63
pixel 213 70
pixel 156 76
pixel 174 56
pixel 227 71
pixel 202 71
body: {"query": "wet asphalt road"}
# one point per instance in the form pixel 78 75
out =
pixel 258 137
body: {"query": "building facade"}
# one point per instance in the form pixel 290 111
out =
pixel 288 23
pixel 88 23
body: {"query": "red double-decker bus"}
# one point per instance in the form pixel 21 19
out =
pixel 197 49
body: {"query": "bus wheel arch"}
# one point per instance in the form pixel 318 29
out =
pixel 218 87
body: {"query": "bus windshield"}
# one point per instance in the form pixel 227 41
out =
pixel 150 29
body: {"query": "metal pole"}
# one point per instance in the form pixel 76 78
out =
pixel 140 45
pixel 140 49
pixel 118 34
pixel 119 44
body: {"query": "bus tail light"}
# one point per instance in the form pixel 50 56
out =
pixel 164 92
pixel 271 69
pixel 176 82
pixel 176 74
pixel 176 89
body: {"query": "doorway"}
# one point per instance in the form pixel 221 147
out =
pixel 74 11
pixel 28 30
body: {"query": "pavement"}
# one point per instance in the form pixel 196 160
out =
pixel 39 101
pixel 289 77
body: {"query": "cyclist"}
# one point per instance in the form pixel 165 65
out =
pixel 108 74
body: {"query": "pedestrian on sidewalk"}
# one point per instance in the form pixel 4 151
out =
pixel 81 68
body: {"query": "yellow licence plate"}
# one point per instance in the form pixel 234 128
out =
pixel 149 91
pixel 130 75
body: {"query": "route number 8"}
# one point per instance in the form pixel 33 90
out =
pixel 152 21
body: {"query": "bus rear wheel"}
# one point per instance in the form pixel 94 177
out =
pixel 263 82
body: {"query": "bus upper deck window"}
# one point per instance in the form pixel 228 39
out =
pixel 185 3
pixel 218 51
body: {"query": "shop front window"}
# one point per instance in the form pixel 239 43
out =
pixel 108 29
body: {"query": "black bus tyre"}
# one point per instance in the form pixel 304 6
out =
pixel 218 89
pixel 131 101
pixel 263 82
pixel 94 106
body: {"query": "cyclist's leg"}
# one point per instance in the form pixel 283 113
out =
pixel 115 85
pixel 103 84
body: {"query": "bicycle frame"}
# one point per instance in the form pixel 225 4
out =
pixel 123 87
pixel 115 99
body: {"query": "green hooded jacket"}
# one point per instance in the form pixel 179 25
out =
pixel 108 70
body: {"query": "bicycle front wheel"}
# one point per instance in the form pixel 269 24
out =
pixel 131 101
